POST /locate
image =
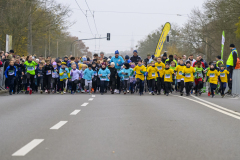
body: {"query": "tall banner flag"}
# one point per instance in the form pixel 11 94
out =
pixel 223 41
pixel 162 39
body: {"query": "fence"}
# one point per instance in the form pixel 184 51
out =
pixel 2 78
pixel 236 82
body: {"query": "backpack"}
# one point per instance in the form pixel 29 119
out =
pixel 238 64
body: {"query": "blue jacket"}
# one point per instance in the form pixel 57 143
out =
pixel 118 61
pixel 64 75
pixel 125 77
pixel 10 71
pixel 88 74
pixel 105 74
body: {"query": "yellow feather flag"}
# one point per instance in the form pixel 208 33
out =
pixel 162 39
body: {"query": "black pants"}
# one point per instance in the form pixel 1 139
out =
pixel 140 84
pixel 10 83
pixel 118 82
pixel 188 86
pixel 74 85
pixel 125 85
pixel 230 69
pixel 151 85
pixel 199 86
pixel 103 85
pixel 160 82
pixel 94 83
pixel 30 78
pixel 213 88
pixel 16 86
pixel 168 87
pixel 40 83
pixel 55 84
pixel 62 85
pixel 82 83
pixel 223 87
pixel 113 83
pixel 47 79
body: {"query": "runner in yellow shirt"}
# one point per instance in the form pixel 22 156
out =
pixel 180 77
pixel 188 77
pixel 152 73
pixel 223 74
pixel 139 72
pixel 168 74
pixel 160 79
pixel 213 78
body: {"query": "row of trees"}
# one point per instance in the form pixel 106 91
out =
pixel 202 33
pixel 37 27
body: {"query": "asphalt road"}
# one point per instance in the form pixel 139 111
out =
pixel 121 127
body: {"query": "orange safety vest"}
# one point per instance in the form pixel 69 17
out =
pixel 238 64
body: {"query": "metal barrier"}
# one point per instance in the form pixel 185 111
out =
pixel 236 82
pixel 2 78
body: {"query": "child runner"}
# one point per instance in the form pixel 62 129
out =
pixel 223 79
pixel 64 75
pixel 152 73
pixel 139 72
pixel 10 74
pixel 160 79
pixel 180 77
pixel 47 70
pixel 113 77
pixel 55 77
pixel 39 74
pixel 76 77
pixel 168 74
pixel 188 77
pixel 199 77
pixel 132 80
pixel 213 78
pixel 104 75
pixel 88 76
pixel 173 67
pixel 126 74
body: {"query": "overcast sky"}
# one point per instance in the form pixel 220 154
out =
pixel 125 27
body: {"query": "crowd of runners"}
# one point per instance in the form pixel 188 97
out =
pixel 118 74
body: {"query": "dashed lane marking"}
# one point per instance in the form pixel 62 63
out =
pixel 58 125
pixel 84 104
pixel 75 112
pixel 93 96
pixel 90 99
pixel 28 147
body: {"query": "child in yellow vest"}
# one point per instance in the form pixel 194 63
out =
pixel 223 77
pixel 180 77
pixel 213 78
pixel 188 77
pixel 168 74
pixel 160 80
pixel 139 72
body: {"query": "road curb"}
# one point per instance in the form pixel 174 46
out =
pixel 2 92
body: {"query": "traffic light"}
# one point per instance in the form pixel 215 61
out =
pixel 108 36
pixel 168 38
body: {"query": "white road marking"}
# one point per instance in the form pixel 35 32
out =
pixel 93 96
pixel 84 104
pixel 233 98
pixel 90 99
pixel 220 107
pixel 216 109
pixel 58 125
pixel 28 147
pixel 75 112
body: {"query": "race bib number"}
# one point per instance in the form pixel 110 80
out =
pixel 118 70
pixel 167 76
pixel 180 73
pixel 103 78
pixel 153 74
pixel 212 75
pixel 199 75
pixel 89 81
pixel 188 75
pixel 48 72
pixel 10 72
pixel 159 67
pixel 30 68
pixel 65 74
pixel 222 74
pixel 126 77
pixel 95 73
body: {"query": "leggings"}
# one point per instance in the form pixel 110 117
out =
pixel 74 85
pixel 213 87
pixel 188 86
pixel 223 87
pixel 47 79
pixel 140 84
pixel 181 85
pixel 103 85
pixel 168 87
pixel 63 84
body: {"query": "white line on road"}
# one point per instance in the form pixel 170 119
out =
pixel 220 107
pixel 58 125
pixel 84 104
pixel 216 109
pixel 93 96
pixel 75 112
pixel 28 147
pixel 90 99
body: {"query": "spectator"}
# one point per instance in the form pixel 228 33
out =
pixel 164 57
pixel 202 60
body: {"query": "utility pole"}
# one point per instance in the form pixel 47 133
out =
pixel 49 42
pixel 30 31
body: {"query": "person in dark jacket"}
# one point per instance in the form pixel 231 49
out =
pixel 147 59
pixel 113 76
pixel 47 72
pixel 135 58
pixel 164 57
pixel 10 74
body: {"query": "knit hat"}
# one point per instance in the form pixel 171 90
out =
pixel 129 61
pixel 90 65
pixel 126 65
pixel 164 54
pixel 95 55
pixel 170 56
pixel 54 63
pixel 126 57
pixel 63 63
pixel 232 45
pixel 11 51
pixel 222 65
pixel 116 52
pixel 132 66
pixel 84 59
pixel 135 51
pixel 219 57
pixel 112 63
pixel 188 62
pixel 148 54
pixel 104 63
